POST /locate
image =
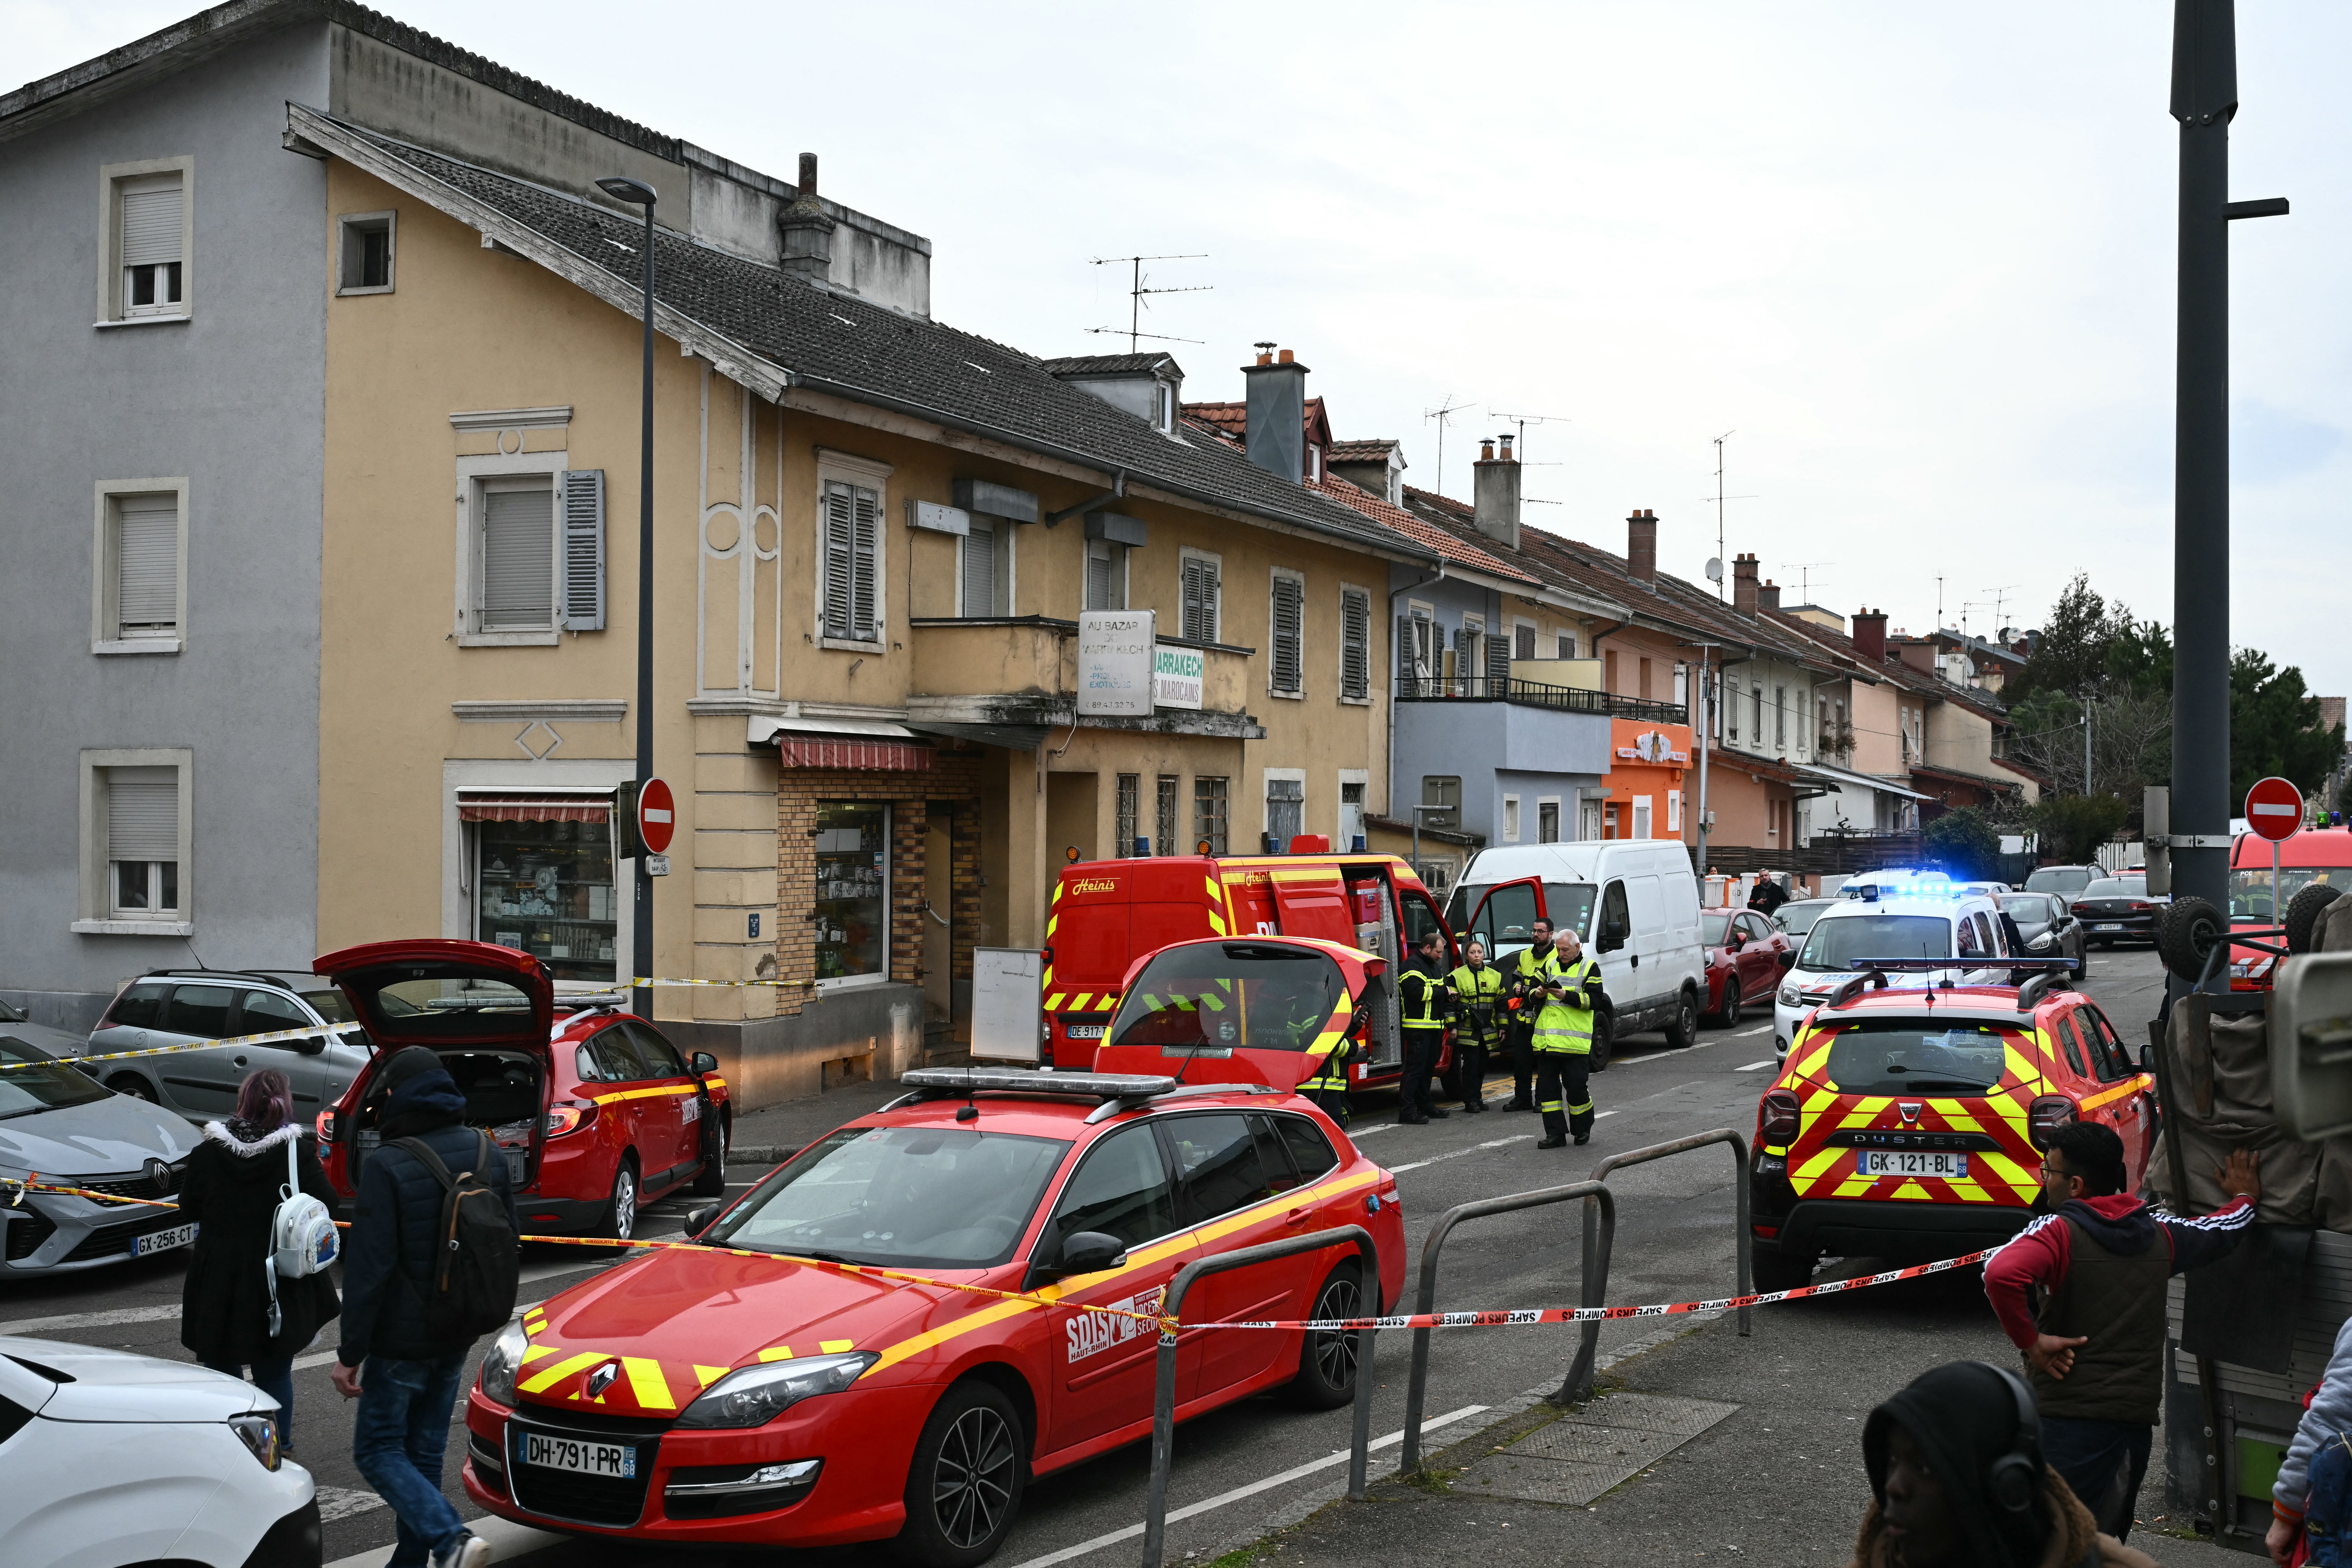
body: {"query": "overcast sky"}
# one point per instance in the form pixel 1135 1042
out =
pixel 1919 257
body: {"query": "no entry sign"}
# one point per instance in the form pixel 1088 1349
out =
pixel 2274 809
pixel 657 816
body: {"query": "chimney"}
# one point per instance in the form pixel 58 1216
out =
pixel 1743 585
pixel 1870 635
pixel 1277 413
pixel 1767 598
pixel 806 232
pixel 1494 493
pixel 1642 545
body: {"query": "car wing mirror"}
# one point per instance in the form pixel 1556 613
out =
pixel 703 1062
pixel 311 1045
pixel 699 1220
pixel 1082 1252
pixel 1788 958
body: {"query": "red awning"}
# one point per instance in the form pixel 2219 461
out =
pixel 880 756
pixel 525 806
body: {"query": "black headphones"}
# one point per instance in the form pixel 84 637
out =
pixel 2013 1481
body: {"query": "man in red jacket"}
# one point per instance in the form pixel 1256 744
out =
pixel 2094 1347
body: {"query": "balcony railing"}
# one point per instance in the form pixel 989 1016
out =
pixel 1562 698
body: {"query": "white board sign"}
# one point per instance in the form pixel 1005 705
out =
pixel 1007 1006
pixel 1177 675
pixel 1115 670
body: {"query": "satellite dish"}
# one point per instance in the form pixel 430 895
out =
pixel 1715 568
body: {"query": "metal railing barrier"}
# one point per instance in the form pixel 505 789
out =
pixel 1163 1410
pixel 1593 1294
pixel 1578 1386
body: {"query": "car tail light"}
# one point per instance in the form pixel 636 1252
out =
pixel 1777 1117
pixel 326 1127
pixel 2049 1114
pixel 569 1116
pixel 2140 904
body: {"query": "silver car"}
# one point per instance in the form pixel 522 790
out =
pixel 76 1134
pixel 184 1007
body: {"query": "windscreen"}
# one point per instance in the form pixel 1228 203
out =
pixel 43 1084
pixel 1797 919
pixel 920 1197
pixel 1958 1057
pixel 1844 943
pixel 1506 925
pixel 2058 879
pixel 2117 888
pixel 2249 890
pixel 2026 908
pixel 1211 997
pixel 330 1005
pixel 450 1010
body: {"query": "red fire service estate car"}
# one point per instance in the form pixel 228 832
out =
pixel 697 1396
pixel 1909 1123
pixel 594 1109
pixel 1744 954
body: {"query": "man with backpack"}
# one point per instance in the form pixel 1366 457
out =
pixel 430 1265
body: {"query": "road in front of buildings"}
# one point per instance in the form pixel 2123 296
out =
pixel 1675 1241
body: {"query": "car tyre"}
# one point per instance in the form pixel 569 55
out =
pixel 711 1182
pixel 1728 1015
pixel 1682 1030
pixel 621 1210
pixel 1777 1271
pixel 964 1487
pixel 1326 1362
pixel 132 1084
pixel 1604 1035
pixel 2186 935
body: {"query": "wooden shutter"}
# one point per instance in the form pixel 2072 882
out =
pixel 152 225
pixel 518 558
pixel 1523 642
pixel 1200 614
pixel 583 549
pixel 142 813
pixel 840 545
pixel 147 564
pixel 1499 667
pixel 980 570
pixel 1286 653
pixel 1355 645
pixel 865 583
pixel 1404 641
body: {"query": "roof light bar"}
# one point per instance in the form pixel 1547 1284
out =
pixel 936 1082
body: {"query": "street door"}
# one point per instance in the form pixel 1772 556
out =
pixel 265 1013
pixel 1759 959
pixel 1121 1189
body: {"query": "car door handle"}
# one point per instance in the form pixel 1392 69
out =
pixel 1298 1216
pixel 239 1062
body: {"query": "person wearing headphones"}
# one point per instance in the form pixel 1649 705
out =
pixel 1957 1480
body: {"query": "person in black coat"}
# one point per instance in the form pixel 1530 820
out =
pixel 235 1179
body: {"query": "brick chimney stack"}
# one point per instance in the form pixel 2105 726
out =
pixel 1767 598
pixel 1870 635
pixel 1743 585
pixel 1642 545
pixel 1494 493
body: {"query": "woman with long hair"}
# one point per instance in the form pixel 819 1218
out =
pixel 236 1180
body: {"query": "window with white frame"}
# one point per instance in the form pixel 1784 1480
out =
pixel 1510 819
pixel 1287 614
pixel 142 556
pixel 147 219
pixel 1731 707
pixel 1355 645
pixel 1548 819
pixel 1470 648
pixel 363 253
pixel 134 842
pixel 1781 717
pixel 1199 584
pixel 1164 408
pixel 983 569
pixel 514 581
pixel 1566 643
pixel 849 571
pixel 1106 575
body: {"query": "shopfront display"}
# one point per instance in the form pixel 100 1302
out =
pixel 853 889
pixel 543 882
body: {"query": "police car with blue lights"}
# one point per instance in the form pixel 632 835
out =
pixel 1921 915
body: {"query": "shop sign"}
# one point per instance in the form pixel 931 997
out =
pixel 1177 677
pixel 1115 670
pixel 1653 746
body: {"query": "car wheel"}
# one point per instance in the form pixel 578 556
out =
pixel 711 1182
pixel 1682 1030
pixel 1777 1271
pixel 1326 1361
pixel 1729 1014
pixel 132 1084
pixel 1605 1039
pixel 2187 935
pixel 621 1214
pixel 964 1487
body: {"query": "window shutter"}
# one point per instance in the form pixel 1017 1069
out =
pixel 1355 646
pixel 1498 665
pixel 1287 593
pixel 518 558
pixel 152 225
pixel 1404 640
pixel 1523 642
pixel 142 813
pixel 863 584
pixel 1199 615
pixel 583 549
pixel 840 542
pixel 1100 581
pixel 147 563
pixel 980 570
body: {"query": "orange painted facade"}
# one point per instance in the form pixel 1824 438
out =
pixel 1652 788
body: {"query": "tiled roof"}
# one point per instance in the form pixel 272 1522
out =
pixel 1233 418
pixel 1372 452
pixel 836 343
pixel 1460 551
pixel 1110 364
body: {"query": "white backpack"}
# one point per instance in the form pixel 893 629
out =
pixel 302 1235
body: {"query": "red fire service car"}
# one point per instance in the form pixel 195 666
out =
pixel 1255 1010
pixel 2315 857
pixel 704 1396
pixel 1909 1123
pixel 594 1111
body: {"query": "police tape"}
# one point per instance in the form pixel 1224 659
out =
pixel 272 1038
pixel 1509 1317
pixel 659 980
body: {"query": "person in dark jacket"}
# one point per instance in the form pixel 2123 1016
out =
pixel 404 1377
pixel 235 1179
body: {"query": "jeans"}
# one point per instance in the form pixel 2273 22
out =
pixel 274 1378
pixel 2102 1462
pixel 2325 1509
pixel 399 1439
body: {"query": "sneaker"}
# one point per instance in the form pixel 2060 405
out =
pixel 471 1552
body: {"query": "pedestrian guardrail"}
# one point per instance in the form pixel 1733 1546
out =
pixel 1578 1386
pixel 1163 1413
pixel 1595 1288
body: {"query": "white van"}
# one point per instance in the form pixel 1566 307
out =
pixel 1916 922
pixel 1632 903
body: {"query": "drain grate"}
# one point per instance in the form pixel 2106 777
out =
pixel 1578 1457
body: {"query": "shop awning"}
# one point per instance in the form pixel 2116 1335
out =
pixel 532 805
pixel 814 742
pixel 1842 779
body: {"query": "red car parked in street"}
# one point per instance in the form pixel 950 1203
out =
pixel 1744 954
pixel 594 1111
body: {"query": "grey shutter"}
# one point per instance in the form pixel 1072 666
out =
pixel 151 225
pixel 142 813
pixel 1102 566
pixel 1523 642
pixel 1199 615
pixel 863 581
pixel 1404 649
pixel 1286 651
pixel 840 545
pixel 1499 667
pixel 147 563
pixel 518 558
pixel 583 549
pixel 1355 646
pixel 980 570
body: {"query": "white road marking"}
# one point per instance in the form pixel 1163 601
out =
pixel 1759 1029
pixel 1223 1498
pixel 1457 1153
pixel 342 1502
pixel 1367 1132
pixel 508 1542
pixel 1751 1067
pixel 93 1320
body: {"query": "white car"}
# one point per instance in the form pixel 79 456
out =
pixel 1892 922
pixel 113 1459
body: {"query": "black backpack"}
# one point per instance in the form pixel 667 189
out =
pixel 477 1254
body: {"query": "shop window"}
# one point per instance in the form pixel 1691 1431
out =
pixel 1351 813
pixel 1164 815
pixel 1129 805
pixel 1285 811
pixel 852 917
pixel 1210 809
pixel 544 884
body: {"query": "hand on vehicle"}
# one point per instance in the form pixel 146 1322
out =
pixel 347 1381
pixel 2280 1541
pixel 2238 1175
pixel 2052 1355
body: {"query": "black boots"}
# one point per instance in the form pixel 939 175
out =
pixel 1553 1142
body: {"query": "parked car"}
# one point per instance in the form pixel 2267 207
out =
pixel 75 1133
pixel 2118 909
pixel 116 1458
pixel 1797 916
pixel 1921 920
pixel 57 1042
pixel 2066 879
pixel 595 1112
pixel 2046 921
pixel 184 1007
pixel 1745 953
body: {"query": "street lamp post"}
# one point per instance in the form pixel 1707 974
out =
pixel 636 193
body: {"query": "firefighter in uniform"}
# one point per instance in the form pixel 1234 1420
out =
pixel 1421 998
pixel 1525 966
pixel 1568 994
pixel 1327 1077
pixel 1476 999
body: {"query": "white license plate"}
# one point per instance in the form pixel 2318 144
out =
pixel 162 1240
pixel 1904 1163
pixel 1082 1032
pixel 580 1458
pixel 2110 926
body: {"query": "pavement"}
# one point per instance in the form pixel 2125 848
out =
pixel 1779 1477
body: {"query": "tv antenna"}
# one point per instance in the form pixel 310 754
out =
pixel 1716 566
pixel 1441 412
pixel 1138 288
pixel 1804 570
pixel 1523 421
pixel 2000 597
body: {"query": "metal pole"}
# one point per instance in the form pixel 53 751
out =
pixel 1703 710
pixel 642 932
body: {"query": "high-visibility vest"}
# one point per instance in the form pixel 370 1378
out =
pixel 1330 1068
pixel 1417 993
pixel 1565 1024
pixel 1477 993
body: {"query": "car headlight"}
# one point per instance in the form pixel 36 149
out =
pixel 258 1432
pixel 501 1362
pixel 755 1395
pixel 2040 942
pixel 1789 996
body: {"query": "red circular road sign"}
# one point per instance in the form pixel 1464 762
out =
pixel 2274 809
pixel 656 816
